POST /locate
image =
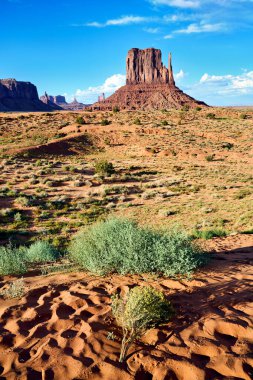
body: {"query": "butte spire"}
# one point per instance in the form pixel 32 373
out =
pixel 149 85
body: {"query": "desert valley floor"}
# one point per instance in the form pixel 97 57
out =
pixel 188 168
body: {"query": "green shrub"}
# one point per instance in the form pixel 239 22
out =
pixel 119 245
pixel 210 158
pixel 186 107
pixel 104 168
pixel 164 122
pixel 137 121
pixel 41 251
pixel 80 120
pixel 12 260
pixel 144 307
pixel 105 122
pixel 209 234
pixel 210 115
pixel 198 108
pixel 243 116
pixel 115 109
pixel 242 193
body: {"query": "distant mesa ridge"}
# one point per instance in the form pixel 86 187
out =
pixel 60 101
pixel 20 96
pixel 149 85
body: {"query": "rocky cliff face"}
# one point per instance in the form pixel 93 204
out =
pixel 20 96
pixel 145 66
pixel 149 85
pixel 59 99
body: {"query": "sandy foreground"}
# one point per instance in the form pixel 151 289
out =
pixel 59 329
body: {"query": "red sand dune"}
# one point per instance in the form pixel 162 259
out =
pixel 59 329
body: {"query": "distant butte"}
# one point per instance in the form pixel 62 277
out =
pixel 60 102
pixel 149 85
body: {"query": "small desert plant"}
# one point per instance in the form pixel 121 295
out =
pixel 185 107
pixel 210 157
pixel 242 193
pixel 41 251
pixel 143 308
pixel 105 122
pixel 121 246
pixel 115 109
pixel 16 289
pixel 227 145
pixel 104 168
pixel 137 121
pixel 243 116
pixel 12 260
pixel 210 115
pixel 209 234
pixel 80 120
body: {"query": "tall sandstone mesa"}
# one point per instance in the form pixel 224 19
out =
pixel 149 85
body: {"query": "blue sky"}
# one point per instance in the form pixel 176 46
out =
pixel 79 47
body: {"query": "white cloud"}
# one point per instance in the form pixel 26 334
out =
pixel 201 28
pixel 178 3
pixel 228 84
pixel 90 94
pixel 123 20
pixel 152 30
pixel 179 75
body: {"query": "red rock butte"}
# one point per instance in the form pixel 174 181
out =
pixel 149 85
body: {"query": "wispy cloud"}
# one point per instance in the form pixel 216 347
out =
pixel 123 20
pixel 202 27
pixel 178 3
pixel 152 30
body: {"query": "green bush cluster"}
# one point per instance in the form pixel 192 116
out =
pixel 121 246
pixel 144 307
pixel 16 260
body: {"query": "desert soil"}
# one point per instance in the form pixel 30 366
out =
pixel 189 168
pixel 62 328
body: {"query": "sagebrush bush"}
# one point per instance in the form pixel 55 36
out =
pixel 104 168
pixel 209 234
pixel 121 246
pixel 80 120
pixel 105 122
pixel 41 251
pixel 12 260
pixel 144 307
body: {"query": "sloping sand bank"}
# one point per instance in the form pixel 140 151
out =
pixel 59 329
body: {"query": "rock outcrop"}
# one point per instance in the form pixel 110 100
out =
pixel 20 96
pixel 149 85
pixel 60 101
pixel 50 101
